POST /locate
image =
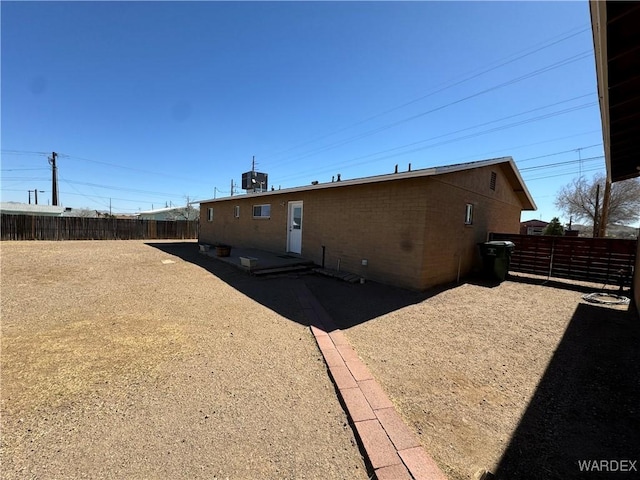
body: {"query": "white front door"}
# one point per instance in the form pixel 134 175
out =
pixel 294 235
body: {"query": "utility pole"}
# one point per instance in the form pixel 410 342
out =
pixel 606 201
pixel 232 187
pixel 29 196
pixel 595 213
pixel 36 192
pixel 579 150
pixel 54 178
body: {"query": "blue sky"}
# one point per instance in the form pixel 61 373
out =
pixel 148 103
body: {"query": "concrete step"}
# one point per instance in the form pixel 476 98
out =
pixel 346 276
pixel 284 269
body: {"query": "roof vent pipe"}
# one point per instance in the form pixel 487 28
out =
pixel 396 171
pixel 409 167
pixel 338 178
pixel 333 178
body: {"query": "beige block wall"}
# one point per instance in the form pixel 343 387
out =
pixel 411 232
pixel 381 223
pixel 245 231
pixel 451 246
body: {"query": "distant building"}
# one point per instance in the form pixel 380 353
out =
pixel 170 213
pixel 15 208
pixel 533 227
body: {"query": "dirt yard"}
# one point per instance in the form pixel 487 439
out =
pixel 521 379
pixel 131 360
pixel 122 360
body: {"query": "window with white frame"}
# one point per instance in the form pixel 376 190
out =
pixel 468 214
pixel 262 211
pixel 236 211
pixel 210 214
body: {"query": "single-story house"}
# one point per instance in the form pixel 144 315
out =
pixel 414 229
pixel 170 213
pixel 533 227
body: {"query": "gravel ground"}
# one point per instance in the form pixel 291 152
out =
pixel 123 360
pixel 520 379
pixel 127 360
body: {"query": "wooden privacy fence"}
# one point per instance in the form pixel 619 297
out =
pixel 32 227
pixel 598 260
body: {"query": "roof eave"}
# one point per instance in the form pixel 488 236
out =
pixel 516 180
pixel 598 11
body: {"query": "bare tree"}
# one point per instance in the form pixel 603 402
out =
pixel 189 212
pixel 184 213
pixel 86 212
pixel 582 200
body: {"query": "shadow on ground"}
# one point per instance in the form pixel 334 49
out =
pixel 567 284
pixel 587 404
pixel 348 304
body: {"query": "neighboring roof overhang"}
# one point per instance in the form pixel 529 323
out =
pixel 31 209
pixel 616 42
pixel 164 210
pixel 509 168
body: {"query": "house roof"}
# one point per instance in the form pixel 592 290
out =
pixel 30 209
pixel 162 210
pixel 616 42
pixel 537 223
pixel 509 168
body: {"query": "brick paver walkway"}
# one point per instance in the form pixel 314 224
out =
pixel 392 449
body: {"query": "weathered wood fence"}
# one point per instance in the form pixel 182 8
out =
pixel 599 260
pixel 32 227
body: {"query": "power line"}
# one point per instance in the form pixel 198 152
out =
pixel 568 172
pixel 559 153
pixel 21 179
pixel 107 187
pixel 447 85
pixel 23 152
pixel 109 164
pixel 558 164
pixel 543 117
pixel 21 169
pixel 518 147
pixel 80 195
pixel 453 140
pixel 558 64
pixel 139 170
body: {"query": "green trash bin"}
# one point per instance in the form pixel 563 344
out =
pixel 496 258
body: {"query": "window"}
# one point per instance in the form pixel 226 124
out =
pixel 262 211
pixel 210 214
pixel 468 214
pixel 236 211
pixel 492 183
